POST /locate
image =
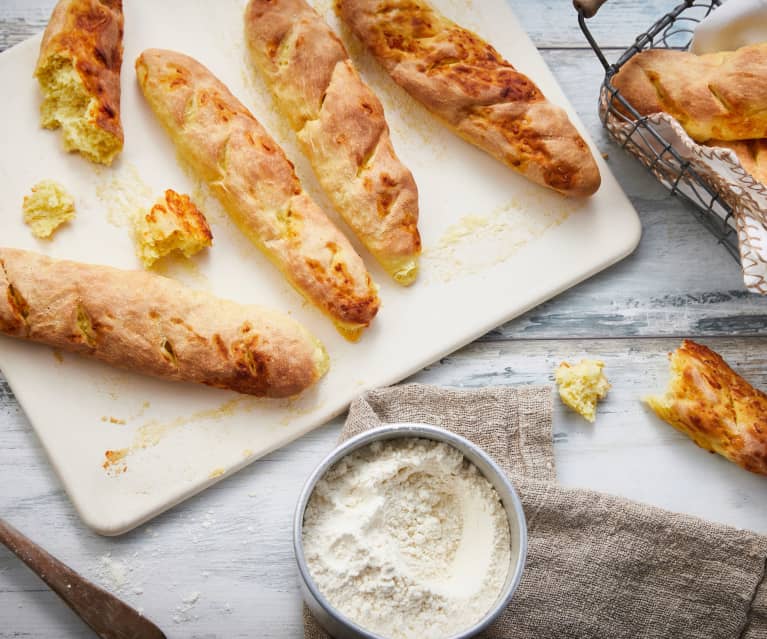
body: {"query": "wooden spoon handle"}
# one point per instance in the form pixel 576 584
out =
pixel 109 617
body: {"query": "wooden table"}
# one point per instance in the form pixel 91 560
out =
pixel 221 564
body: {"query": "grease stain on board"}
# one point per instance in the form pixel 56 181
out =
pixel 124 194
pixel 153 432
pixel 477 242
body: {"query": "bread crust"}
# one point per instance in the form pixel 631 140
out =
pixel 465 82
pixel 341 126
pixel 715 407
pixel 751 153
pixel 249 173
pixel 88 34
pixel 713 96
pixel 153 325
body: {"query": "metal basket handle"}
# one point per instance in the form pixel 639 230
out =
pixel 588 8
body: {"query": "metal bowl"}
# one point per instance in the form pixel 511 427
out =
pixel 341 627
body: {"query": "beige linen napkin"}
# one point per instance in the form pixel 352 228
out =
pixel 598 566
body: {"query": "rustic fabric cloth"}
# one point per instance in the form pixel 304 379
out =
pixel 598 566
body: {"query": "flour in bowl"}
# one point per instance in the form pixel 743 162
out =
pixel 406 538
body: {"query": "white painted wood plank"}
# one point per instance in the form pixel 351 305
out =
pixel 231 544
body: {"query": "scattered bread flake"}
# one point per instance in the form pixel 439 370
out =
pixel 582 385
pixel 112 420
pixel 114 462
pixel 47 207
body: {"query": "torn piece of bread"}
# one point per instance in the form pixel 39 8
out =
pixel 173 223
pixel 582 385
pixel 340 124
pixel 714 406
pixel 155 326
pixel 79 74
pixel 250 174
pixel 47 207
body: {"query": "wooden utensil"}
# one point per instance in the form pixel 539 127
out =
pixel 109 617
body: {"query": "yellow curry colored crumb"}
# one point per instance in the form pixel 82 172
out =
pixel 113 457
pixel 582 385
pixel 47 207
pixel 174 223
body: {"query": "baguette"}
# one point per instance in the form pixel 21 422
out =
pixel 153 325
pixel 714 406
pixel 751 153
pixel 341 127
pixel 79 74
pixel 465 82
pixel 719 96
pixel 249 173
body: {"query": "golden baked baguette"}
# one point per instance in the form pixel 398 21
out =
pixel 340 124
pixel 247 170
pixel 716 95
pixel 79 74
pixel 715 407
pixel 153 325
pixel 751 153
pixel 464 81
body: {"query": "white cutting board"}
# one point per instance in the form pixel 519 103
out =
pixel 494 247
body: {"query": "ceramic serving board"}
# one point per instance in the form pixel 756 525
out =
pixel 494 247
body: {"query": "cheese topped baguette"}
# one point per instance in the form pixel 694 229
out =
pixel 153 325
pixel 464 81
pixel 249 173
pixel 717 95
pixel 340 124
pixel 79 74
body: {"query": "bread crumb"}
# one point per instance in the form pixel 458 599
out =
pixel 173 224
pixel 58 355
pixel 582 385
pixel 216 472
pixel 47 207
pixel 112 420
pixel 115 461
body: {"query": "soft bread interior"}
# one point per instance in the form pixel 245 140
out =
pixel 404 272
pixel 68 105
pixel 697 400
pixel 582 385
pixel 173 224
pixel 47 207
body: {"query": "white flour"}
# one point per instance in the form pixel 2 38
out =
pixel 407 539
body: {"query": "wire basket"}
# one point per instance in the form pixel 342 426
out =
pixel 640 137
